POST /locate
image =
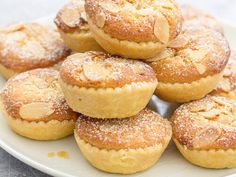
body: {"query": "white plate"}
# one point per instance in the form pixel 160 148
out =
pixel 35 153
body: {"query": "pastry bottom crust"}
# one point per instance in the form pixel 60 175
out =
pixel 120 102
pixel 127 49
pixel 6 73
pixel 80 42
pixel 185 92
pixel 51 130
pixel 124 161
pixel 209 158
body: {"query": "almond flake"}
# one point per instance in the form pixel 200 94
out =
pixel 212 114
pixel 70 16
pixel 200 68
pixel 179 42
pixel 95 72
pixel 167 53
pixel 36 110
pixel 206 137
pixel 162 29
pixel 196 55
pixel 100 19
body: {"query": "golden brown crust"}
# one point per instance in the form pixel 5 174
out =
pixel 195 54
pixel 143 130
pixel 136 20
pixel 28 46
pixel 72 17
pixel 206 124
pixel 195 17
pixel 36 96
pixel 100 70
pixel 227 87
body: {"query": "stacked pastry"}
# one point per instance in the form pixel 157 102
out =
pixel 124 51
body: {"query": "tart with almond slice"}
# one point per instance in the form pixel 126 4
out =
pixel 101 85
pixel 191 66
pixel 72 24
pixel 123 146
pixel 204 131
pixel 34 106
pixel 28 46
pixel 134 29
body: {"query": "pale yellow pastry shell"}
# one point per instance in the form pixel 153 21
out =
pixel 209 158
pixel 80 42
pixel 185 92
pixel 121 102
pixel 123 161
pixel 127 49
pixel 51 130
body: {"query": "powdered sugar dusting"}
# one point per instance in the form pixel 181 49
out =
pixel 36 86
pixel 30 46
pixel 143 130
pixel 209 123
pixel 96 68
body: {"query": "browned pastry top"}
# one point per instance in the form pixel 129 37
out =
pixel 143 130
pixel 136 20
pixel 72 17
pixel 194 54
pixel 227 87
pixel 28 46
pixel 195 17
pixel 36 96
pixel 100 70
pixel 209 123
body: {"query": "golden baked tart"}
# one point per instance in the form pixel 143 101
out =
pixel 204 131
pixel 72 24
pixel 195 17
pixel 104 86
pixel 123 146
pixel 191 66
pixel 34 105
pixel 227 87
pixel 137 29
pixel 29 46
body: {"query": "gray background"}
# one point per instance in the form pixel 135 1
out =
pixel 12 11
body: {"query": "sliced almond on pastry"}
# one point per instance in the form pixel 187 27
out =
pixel 100 19
pixel 36 110
pixel 162 29
pixel 206 137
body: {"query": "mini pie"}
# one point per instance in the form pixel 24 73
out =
pixel 105 86
pixel 29 46
pixel 34 106
pixel 133 29
pixel 72 24
pixel 191 66
pixel 227 87
pixel 195 17
pixel 204 131
pixel 123 146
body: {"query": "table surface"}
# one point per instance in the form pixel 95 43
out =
pixel 12 11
